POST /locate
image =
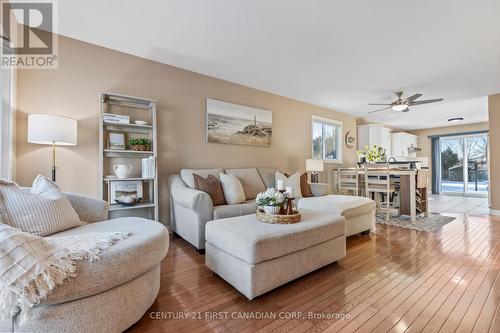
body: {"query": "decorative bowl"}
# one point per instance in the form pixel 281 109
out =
pixel 278 219
pixel 127 204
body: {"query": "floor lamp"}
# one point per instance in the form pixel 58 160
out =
pixel 47 129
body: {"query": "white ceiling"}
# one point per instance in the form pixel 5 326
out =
pixel 337 54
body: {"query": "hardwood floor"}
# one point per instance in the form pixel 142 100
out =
pixel 398 280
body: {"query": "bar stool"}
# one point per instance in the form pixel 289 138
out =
pixel 348 180
pixel 378 181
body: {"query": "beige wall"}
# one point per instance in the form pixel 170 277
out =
pixel 494 120
pixel 425 143
pixel 86 70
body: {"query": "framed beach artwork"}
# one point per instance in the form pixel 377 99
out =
pixel 237 124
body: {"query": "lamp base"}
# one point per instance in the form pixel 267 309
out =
pixel 54 162
pixel 54 173
pixel 314 177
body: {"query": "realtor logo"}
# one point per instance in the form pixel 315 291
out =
pixel 28 29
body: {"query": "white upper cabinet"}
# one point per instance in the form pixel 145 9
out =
pixel 401 144
pixel 370 135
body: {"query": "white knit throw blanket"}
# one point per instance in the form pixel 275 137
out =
pixel 31 266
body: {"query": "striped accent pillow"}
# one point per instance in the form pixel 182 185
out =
pixel 42 211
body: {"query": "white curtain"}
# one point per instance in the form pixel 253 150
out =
pixel 6 121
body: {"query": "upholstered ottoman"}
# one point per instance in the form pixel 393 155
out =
pixel 359 212
pixel 256 257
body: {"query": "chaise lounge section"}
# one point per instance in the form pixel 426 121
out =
pixel 359 212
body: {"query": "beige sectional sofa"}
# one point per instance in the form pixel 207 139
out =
pixel 191 209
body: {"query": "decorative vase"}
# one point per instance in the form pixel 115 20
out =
pixel 271 209
pixel 123 170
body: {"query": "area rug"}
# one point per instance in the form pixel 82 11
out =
pixel 428 224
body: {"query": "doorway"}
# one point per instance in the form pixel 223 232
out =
pixel 464 165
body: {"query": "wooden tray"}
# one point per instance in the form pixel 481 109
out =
pixel 278 219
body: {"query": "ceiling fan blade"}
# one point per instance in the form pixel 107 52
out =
pixel 414 97
pixel 427 101
pixel 380 110
pixel 378 104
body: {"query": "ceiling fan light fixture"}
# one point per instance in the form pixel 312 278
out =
pixel 399 107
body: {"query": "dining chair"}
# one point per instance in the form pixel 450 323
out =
pixel 378 181
pixel 348 180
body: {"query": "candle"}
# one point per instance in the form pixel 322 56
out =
pixel 289 191
pixel 280 185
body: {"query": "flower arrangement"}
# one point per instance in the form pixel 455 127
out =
pixel 271 200
pixel 374 154
pixel 271 197
pixel 139 144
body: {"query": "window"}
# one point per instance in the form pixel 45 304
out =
pixel 6 119
pixel 326 139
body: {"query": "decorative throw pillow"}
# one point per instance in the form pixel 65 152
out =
pixel 292 181
pixel 212 186
pixel 42 211
pixel 305 188
pixel 233 189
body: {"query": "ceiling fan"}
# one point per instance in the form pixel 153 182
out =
pixel 403 104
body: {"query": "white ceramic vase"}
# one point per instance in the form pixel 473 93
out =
pixel 122 170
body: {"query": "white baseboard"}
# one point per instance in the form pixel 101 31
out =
pixel 495 212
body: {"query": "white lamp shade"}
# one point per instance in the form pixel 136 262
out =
pixel 313 165
pixel 46 129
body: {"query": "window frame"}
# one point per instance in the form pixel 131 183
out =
pixel 7 120
pixel 339 135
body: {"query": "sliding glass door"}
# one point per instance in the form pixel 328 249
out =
pixel 476 148
pixel 464 165
pixel 452 165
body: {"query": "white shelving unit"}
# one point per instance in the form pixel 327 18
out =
pixel 136 108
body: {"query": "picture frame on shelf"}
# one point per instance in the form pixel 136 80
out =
pixel 117 141
pixel 126 188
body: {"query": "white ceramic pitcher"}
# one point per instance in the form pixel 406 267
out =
pixel 122 170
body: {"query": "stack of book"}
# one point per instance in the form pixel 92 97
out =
pixel 148 167
pixel 115 118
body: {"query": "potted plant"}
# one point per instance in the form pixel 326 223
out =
pixel 271 201
pixel 374 154
pixel 139 144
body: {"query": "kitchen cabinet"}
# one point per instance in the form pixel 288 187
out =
pixel 402 142
pixel 373 134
